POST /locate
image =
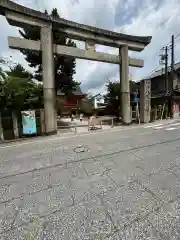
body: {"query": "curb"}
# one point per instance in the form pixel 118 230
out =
pixel 72 134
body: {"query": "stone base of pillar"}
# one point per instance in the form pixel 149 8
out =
pixel 126 110
pixel 126 124
pixel 49 110
pixel 50 133
pixel 145 118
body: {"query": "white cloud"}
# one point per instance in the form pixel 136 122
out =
pixel 157 18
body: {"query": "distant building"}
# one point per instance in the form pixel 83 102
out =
pixel 158 88
pixel 71 101
pixel 99 102
pixel 158 80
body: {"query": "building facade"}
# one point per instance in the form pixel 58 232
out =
pixel 99 102
pixel 70 102
pixel 161 94
pixel 158 80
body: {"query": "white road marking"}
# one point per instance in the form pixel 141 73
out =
pixel 170 129
pixel 160 127
pixel 166 126
pixel 174 124
pixel 150 126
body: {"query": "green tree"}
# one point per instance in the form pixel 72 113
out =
pixel 86 107
pixel 112 97
pixel 64 67
pixel 133 86
pixel 19 71
pixel 19 92
pixel 2 73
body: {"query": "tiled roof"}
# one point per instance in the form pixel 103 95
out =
pixel 77 91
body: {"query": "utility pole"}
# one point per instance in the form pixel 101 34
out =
pixel 172 56
pixel 164 61
pixel 172 74
pixel 166 69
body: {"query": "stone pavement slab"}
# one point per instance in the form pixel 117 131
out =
pixel 122 186
pixel 166 220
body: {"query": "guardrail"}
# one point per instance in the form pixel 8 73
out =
pixel 88 125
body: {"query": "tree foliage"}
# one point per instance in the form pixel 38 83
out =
pixel 19 92
pixel 2 73
pixel 64 67
pixel 19 71
pixel 113 98
pixel 133 86
pixel 86 107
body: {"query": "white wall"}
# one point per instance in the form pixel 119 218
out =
pixel 98 100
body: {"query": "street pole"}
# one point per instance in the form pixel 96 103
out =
pixel 172 74
pixel 166 69
pixel 172 56
pixel 166 76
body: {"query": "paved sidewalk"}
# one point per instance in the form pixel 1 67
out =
pixel 109 185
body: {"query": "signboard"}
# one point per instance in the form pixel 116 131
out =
pixel 29 122
pixel 147 94
pixel 136 99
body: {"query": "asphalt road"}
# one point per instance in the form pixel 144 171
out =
pixel 119 184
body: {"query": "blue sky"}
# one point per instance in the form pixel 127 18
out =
pixel 157 18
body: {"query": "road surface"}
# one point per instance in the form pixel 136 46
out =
pixel 119 184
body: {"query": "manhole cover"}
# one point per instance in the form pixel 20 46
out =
pixel 81 149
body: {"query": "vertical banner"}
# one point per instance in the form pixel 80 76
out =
pixel 136 98
pixel 147 95
pixel 29 122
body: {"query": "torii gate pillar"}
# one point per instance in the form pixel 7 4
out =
pixel 124 86
pixel 48 80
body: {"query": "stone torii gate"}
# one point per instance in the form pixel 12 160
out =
pixel 21 16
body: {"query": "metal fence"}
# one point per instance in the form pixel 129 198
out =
pixel 65 125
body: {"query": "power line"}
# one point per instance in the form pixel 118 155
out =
pixel 178 35
pixel 158 66
pixel 153 70
pixel 163 48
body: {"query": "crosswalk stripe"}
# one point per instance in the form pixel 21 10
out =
pixel 150 126
pixel 170 129
pixel 165 126
pixel 174 124
pixel 160 127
